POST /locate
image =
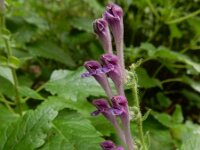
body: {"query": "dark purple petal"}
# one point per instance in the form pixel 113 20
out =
pixel 114 17
pixel 94 69
pixel 107 145
pixel 113 12
pixel 101 104
pixel 116 111
pixel 95 113
pixel 102 30
pixel 111 65
pixel 119 101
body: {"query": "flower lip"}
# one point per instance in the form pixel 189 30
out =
pixel 92 65
pixel 113 11
pixel 109 59
pixel 119 101
pixel 100 25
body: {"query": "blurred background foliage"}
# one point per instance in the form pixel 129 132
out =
pixel 53 38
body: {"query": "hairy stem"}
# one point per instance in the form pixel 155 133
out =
pixel 139 119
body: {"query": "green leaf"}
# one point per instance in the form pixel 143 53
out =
pixel 28 92
pixel 163 118
pixel 3 61
pixel 177 115
pixel 6 117
pixel 172 56
pixel 51 51
pixel 145 81
pixel 29 131
pixel 14 62
pixel 194 84
pixel 192 142
pixel 72 131
pixel 7 74
pixel 163 100
pixel 175 31
pixel 84 24
pixel 150 48
pixel 191 137
pixel 72 86
pixel 193 97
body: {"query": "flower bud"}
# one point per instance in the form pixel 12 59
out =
pixel 101 28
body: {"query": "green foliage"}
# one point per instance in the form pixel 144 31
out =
pixel 72 131
pixel 50 40
pixel 69 84
pixel 27 132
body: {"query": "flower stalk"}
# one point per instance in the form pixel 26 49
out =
pixel 112 66
pixel 9 54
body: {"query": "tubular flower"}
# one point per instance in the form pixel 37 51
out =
pixel 112 68
pixel 101 28
pixel 120 107
pixel 114 17
pixel 94 69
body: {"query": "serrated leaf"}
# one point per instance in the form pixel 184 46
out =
pixel 192 142
pixel 29 131
pixel 72 131
pixel 51 51
pixel 191 137
pixel 72 86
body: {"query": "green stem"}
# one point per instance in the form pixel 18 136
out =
pixel 6 103
pixel 139 119
pixel 14 75
pixel 172 80
pixel 153 9
pixel 178 20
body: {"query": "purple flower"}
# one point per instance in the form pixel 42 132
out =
pixel 114 17
pixel 101 28
pixel 102 106
pixel 109 145
pixel 112 68
pixel 94 69
pixel 120 103
pixel 120 106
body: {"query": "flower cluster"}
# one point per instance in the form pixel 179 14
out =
pixel 111 66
